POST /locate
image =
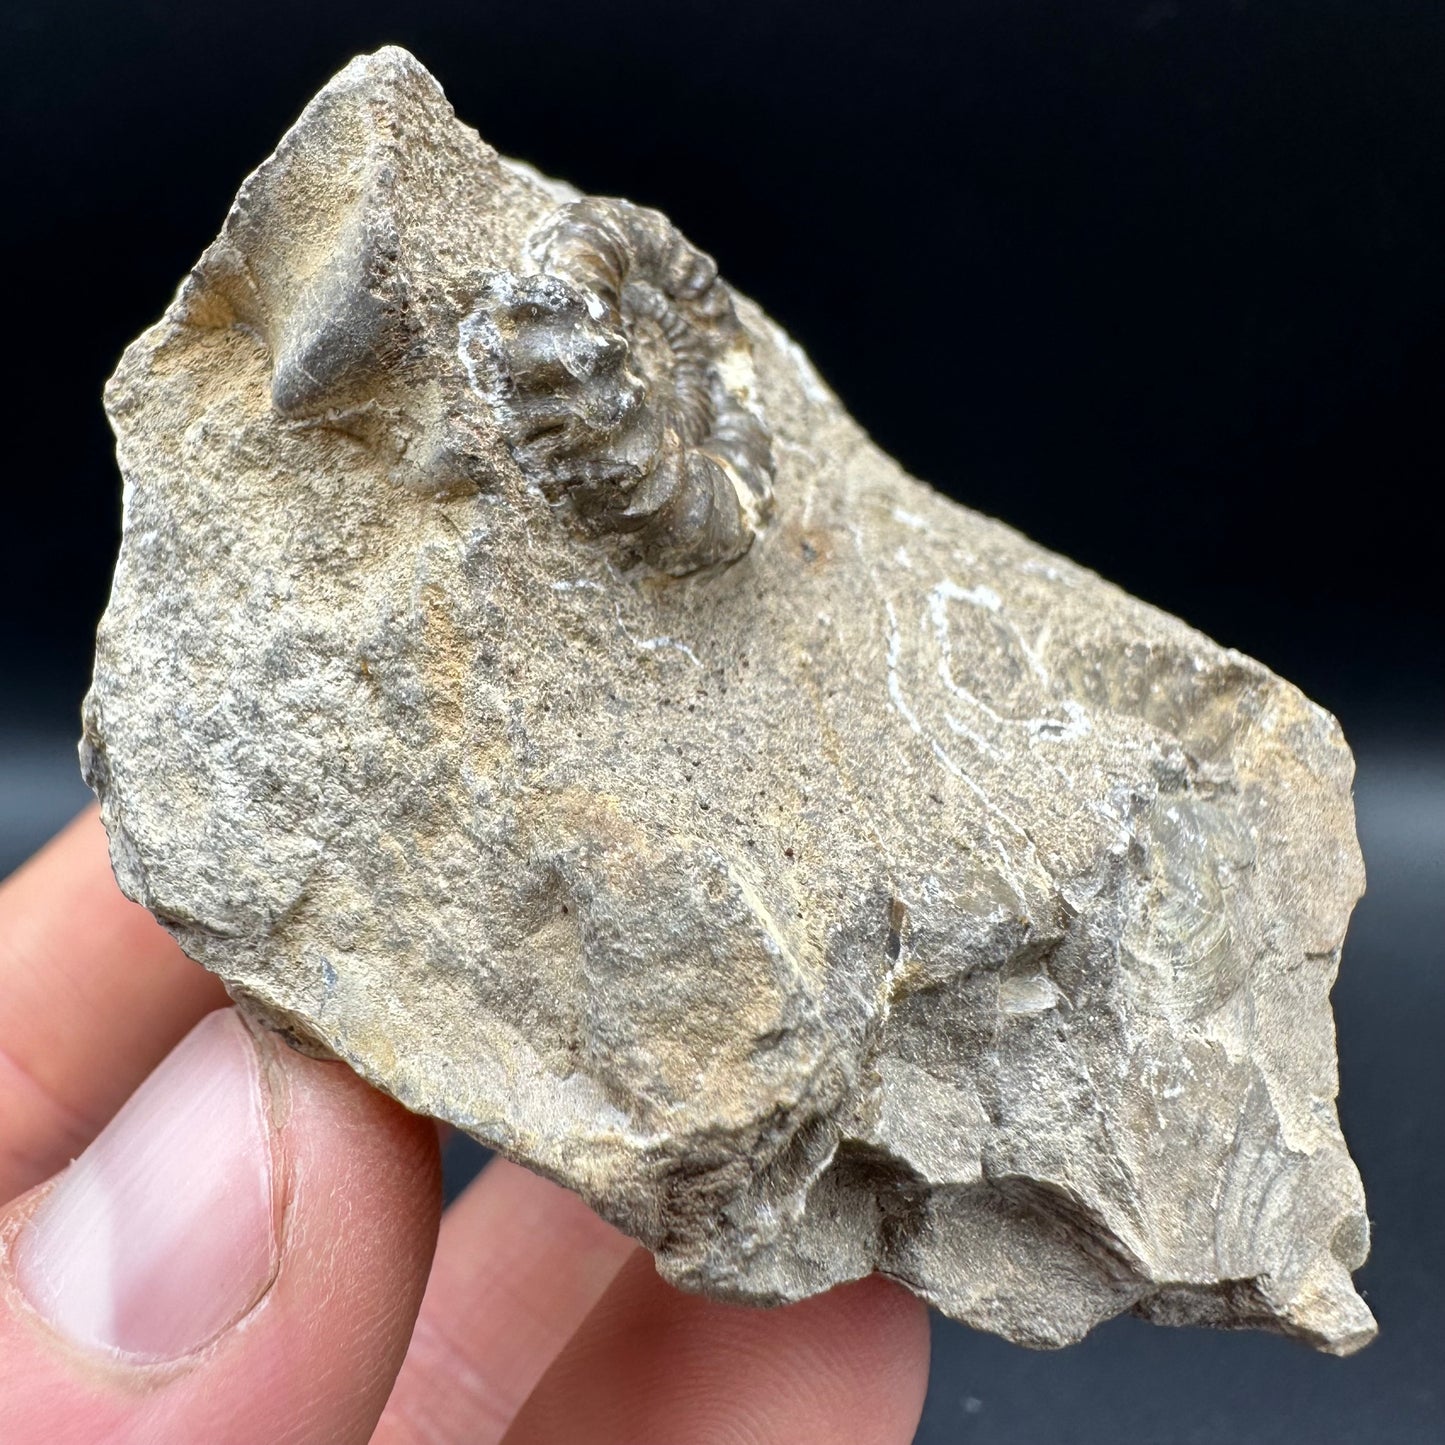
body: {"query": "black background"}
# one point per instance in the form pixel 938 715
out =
pixel 1159 283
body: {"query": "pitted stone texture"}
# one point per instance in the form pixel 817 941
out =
pixel 891 894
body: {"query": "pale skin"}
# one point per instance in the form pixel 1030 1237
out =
pixel 519 1316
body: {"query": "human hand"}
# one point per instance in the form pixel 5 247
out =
pixel 249 1250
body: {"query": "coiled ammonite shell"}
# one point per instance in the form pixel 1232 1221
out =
pixel 622 379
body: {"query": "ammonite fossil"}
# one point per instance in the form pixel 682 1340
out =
pixel 623 382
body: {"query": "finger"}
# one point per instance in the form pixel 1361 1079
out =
pixel 93 992
pixel 238 1257
pixel 651 1363
pixel 519 1264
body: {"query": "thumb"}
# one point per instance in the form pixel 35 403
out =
pixel 237 1258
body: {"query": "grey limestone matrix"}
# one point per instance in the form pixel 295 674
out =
pixel 525 682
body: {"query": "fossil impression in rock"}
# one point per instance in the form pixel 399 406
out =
pixel 525 682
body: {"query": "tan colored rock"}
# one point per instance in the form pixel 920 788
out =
pixel 524 681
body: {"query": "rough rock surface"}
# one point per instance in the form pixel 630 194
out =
pixel 524 681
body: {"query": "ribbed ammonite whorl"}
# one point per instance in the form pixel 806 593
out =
pixel 622 377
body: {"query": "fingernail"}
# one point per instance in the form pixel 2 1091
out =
pixel 163 1232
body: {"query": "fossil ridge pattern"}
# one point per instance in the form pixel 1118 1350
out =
pixel 621 376
pixel 524 681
